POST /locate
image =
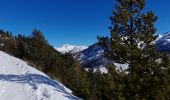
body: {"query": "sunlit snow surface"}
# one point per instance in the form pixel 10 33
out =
pixel 70 49
pixel 19 81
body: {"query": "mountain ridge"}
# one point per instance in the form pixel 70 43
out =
pixel 67 48
pixel 93 56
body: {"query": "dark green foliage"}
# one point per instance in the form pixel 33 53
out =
pixel 131 41
pixel 36 50
pixel 7 42
pixel 78 81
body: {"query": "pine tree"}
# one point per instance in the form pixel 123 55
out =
pixel 38 35
pixel 132 41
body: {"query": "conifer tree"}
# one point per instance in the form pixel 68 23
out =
pixel 132 41
pixel 38 35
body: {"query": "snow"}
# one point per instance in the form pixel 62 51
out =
pixel 163 43
pixel 121 66
pixel 159 61
pixel 70 49
pixel 102 69
pixel 19 81
pixel 93 56
pixel 141 45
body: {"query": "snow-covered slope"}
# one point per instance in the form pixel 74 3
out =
pixel 93 56
pixel 19 81
pixel 70 49
pixel 163 43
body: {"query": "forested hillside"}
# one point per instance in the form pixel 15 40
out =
pixel 131 42
pixel 36 51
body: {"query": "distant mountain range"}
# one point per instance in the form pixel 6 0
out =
pixel 73 49
pixel 93 56
pixel 88 56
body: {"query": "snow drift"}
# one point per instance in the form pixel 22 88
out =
pixel 19 81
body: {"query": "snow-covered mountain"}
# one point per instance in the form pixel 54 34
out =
pixel 70 49
pixel 163 43
pixel 19 81
pixel 94 55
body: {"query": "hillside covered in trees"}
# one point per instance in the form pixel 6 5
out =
pixel 36 51
pixel 131 41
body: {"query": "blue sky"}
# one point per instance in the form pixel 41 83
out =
pixel 69 21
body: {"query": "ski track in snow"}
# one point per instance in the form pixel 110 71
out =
pixel 19 81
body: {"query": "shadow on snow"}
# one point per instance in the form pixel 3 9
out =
pixel 33 79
